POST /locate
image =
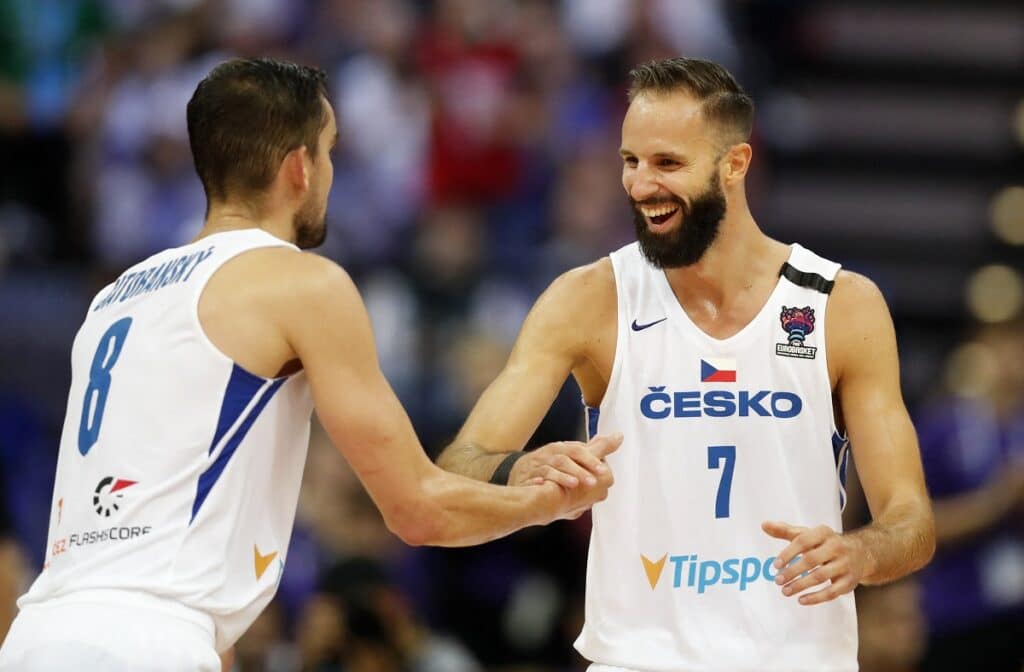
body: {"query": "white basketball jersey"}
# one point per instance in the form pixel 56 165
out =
pixel 720 435
pixel 179 471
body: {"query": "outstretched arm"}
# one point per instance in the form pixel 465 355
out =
pixel 901 537
pixel 555 339
pixel 327 326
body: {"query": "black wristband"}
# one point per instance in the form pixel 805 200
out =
pixel 504 470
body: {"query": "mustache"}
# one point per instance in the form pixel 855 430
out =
pixel 655 202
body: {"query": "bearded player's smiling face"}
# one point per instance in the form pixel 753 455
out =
pixel 668 155
pixel 670 173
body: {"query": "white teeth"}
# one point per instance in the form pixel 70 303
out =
pixel 658 212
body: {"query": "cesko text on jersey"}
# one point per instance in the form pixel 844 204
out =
pixel 658 404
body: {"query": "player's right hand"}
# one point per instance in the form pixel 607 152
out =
pixel 567 463
pixel 579 499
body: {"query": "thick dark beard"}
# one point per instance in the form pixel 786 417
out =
pixel 686 245
pixel 309 225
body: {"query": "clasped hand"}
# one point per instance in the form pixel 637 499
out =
pixel 578 468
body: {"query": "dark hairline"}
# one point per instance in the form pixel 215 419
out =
pixel 706 82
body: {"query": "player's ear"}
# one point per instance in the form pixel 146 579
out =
pixel 735 163
pixel 295 169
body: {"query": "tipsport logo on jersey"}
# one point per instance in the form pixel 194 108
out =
pixel 689 572
pixel 659 403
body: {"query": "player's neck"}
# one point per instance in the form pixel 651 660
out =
pixel 223 217
pixel 740 255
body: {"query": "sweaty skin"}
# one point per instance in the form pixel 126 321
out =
pixel 276 310
pixel 669 151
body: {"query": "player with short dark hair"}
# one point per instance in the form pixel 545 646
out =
pixel 740 370
pixel 194 376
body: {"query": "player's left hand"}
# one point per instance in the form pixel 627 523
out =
pixel 825 555
pixel 568 463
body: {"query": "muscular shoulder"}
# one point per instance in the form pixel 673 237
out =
pixel 858 319
pixel 284 274
pixel 279 283
pixel 597 276
pixel 855 299
pixel 582 299
pixel 583 292
pixel 575 313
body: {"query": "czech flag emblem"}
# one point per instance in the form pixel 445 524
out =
pixel 718 370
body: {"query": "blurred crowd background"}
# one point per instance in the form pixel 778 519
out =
pixel 478 160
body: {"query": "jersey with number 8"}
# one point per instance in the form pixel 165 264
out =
pixel 170 457
pixel 720 435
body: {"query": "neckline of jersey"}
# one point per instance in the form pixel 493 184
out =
pixel 672 305
pixel 247 230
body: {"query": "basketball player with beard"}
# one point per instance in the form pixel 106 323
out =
pixel 740 370
pixel 194 376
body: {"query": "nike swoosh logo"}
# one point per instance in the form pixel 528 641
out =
pixel 641 327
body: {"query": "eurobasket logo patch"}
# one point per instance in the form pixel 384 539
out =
pixel 108 493
pixel 798 324
pixel 717 370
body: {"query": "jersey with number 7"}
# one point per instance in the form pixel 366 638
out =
pixel 721 434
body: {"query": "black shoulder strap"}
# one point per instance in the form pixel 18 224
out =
pixel 811 280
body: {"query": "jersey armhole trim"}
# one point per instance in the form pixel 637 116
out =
pixel 621 310
pixel 839 439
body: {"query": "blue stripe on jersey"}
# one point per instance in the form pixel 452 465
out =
pixel 841 452
pixel 593 414
pixel 210 477
pixel 242 388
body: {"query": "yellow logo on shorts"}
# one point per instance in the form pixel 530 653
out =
pixel 262 561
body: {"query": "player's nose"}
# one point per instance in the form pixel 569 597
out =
pixel 642 185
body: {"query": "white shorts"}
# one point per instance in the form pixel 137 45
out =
pixel 105 630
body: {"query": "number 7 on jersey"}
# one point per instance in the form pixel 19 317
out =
pixel 715 456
